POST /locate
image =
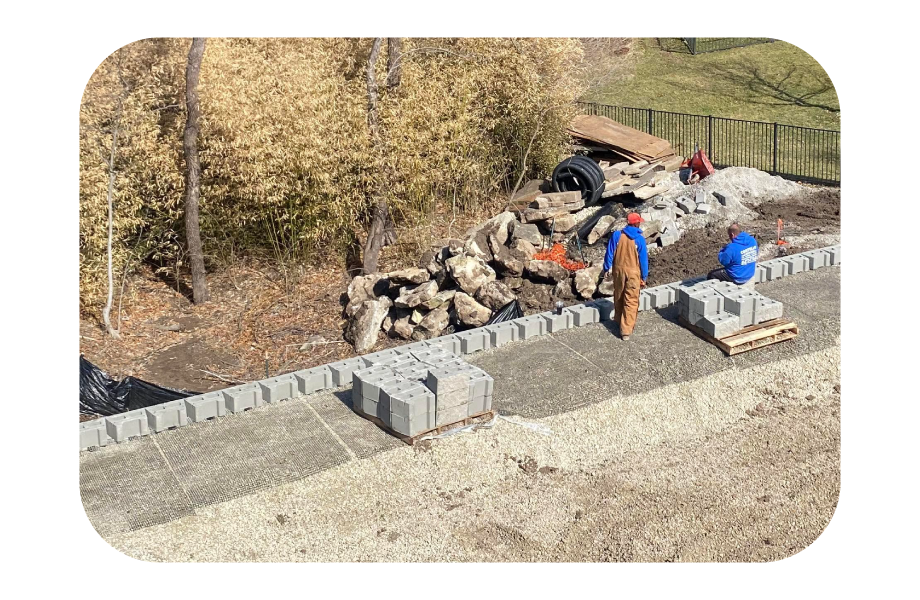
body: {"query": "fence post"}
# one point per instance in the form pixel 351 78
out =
pixel 775 169
pixel 709 139
pixel 650 121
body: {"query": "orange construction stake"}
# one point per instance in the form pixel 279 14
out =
pixel 779 233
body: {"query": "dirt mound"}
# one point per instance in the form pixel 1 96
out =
pixel 696 253
pixel 751 186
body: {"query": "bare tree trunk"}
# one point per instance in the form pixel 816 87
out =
pixel 394 62
pixel 375 235
pixel 107 309
pixel 193 173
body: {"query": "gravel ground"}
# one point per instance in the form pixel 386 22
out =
pixel 741 465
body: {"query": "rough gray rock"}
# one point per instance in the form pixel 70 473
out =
pixel 442 297
pixel 366 323
pixel 478 246
pixel 525 248
pixel 431 324
pixel 507 264
pixel 499 225
pixel 563 290
pixel 470 312
pixel 513 283
pixel 586 281
pixel 495 295
pixel 605 287
pixel 469 272
pixel 410 275
pixel 363 288
pixel 528 232
pixel 545 271
pixel 403 328
pixel 601 228
pixel 410 297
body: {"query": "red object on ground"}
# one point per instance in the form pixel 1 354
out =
pixel 557 255
pixel 699 165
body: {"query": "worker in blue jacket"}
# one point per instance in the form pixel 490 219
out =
pixel 626 263
pixel 738 257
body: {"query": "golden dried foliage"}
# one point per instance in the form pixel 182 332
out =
pixel 285 154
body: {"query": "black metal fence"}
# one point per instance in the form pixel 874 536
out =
pixel 797 153
pixel 701 45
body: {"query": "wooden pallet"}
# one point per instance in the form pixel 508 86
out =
pixel 751 337
pixel 482 417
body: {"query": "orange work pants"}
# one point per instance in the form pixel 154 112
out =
pixel 627 278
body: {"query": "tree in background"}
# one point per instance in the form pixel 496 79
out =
pixel 193 172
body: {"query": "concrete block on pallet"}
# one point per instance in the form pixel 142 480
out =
pixel 767 309
pixel 206 406
pixel 529 327
pixel 720 325
pixel 741 303
pixel 341 371
pixel 276 389
pixel 794 264
pixel 410 402
pixel 479 405
pixel 416 371
pixel 480 384
pixel 605 308
pixel 474 340
pixel 452 414
pixel 378 357
pixel 815 259
pixel 243 397
pixel 126 425
pixel 313 380
pixel 164 416
pixel 707 303
pixel 583 314
pixel 409 348
pixel 93 434
pixel 393 390
pixel 372 386
pixel 450 343
pixel 443 380
pixel 412 425
pixel 502 333
pixel 557 322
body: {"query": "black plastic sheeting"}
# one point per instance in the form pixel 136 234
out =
pixel 508 312
pixel 102 395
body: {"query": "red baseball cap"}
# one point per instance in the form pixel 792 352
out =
pixel 634 218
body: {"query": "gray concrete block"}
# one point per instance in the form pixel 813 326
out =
pixel 93 434
pixel 341 371
pixel 706 304
pixel 314 380
pixel 415 372
pixel 720 325
pixel 686 205
pixel 167 415
pixel 661 296
pixel 481 384
pixel 243 397
pixel 760 274
pixel 450 343
pixel 816 259
pixel 205 406
pixel 605 308
pixel 741 304
pixel 127 425
pixel 378 357
pixel 767 309
pixel 409 348
pixel 410 402
pixel 392 390
pixel 443 380
pixel 448 415
pixel 583 314
pixel 530 326
pixel 479 405
pixel 474 340
pixel 668 237
pixel 645 301
pixel 700 197
pixel 774 269
pixel 721 197
pixel 558 322
pixel 795 263
pixel 276 389
pixel 502 333
pixel 372 386
pixel 412 426
pixel 703 208
pixel 833 255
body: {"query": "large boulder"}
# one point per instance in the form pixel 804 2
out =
pixel 525 248
pixel 586 281
pixel 561 224
pixel 439 299
pixel 478 247
pixel 365 325
pixel 407 276
pixel 507 264
pixel 527 232
pixel 495 295
pixel 601 228
pixel 431 324
pixel 403 328
pixel 536 297
pixel 545 271
pixel 470 312
pixel 363 288
pixel 563 290
pixel 410 297
pixel 605 287
pixel 469 272
pixel 500 225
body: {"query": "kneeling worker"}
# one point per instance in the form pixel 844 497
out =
pixel 626 262
pixel 738 257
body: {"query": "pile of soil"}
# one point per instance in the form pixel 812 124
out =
pixel 695 253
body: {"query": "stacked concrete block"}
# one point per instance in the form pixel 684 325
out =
pixel 409 348
pixel 167 415
pixel 127 425
pixel 450 343
pixel 767 309
pixel 276 389
pixel 314 380
pixel 342 370
pixel 741 303
pixel 557 322
pixel 474 340
pixel 720 325
pixel 378 357
pixel 410 410
pixel 451 387
pixel 415 371
pixel 529 327
pixel 502 333
pixel 368 384
pixel 243 397
pixel 582 314
pixel 206 406
pixel 661 296
pixel 437 357
pixel 93 434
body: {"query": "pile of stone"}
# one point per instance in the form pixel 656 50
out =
pixel 420 390
pixel 721 308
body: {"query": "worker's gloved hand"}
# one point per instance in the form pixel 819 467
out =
pixel 608 275
pixel 642 284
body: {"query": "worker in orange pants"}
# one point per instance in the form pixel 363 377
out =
pixel 626 263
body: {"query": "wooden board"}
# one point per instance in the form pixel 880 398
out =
pixel 626 140
pixel 482 417
pixel 749 338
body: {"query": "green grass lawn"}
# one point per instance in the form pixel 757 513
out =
pixel 766 82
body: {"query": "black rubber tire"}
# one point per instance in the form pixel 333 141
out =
pixel 579 173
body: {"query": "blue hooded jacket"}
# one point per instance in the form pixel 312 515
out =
pixel 739 257
pixel 635 234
